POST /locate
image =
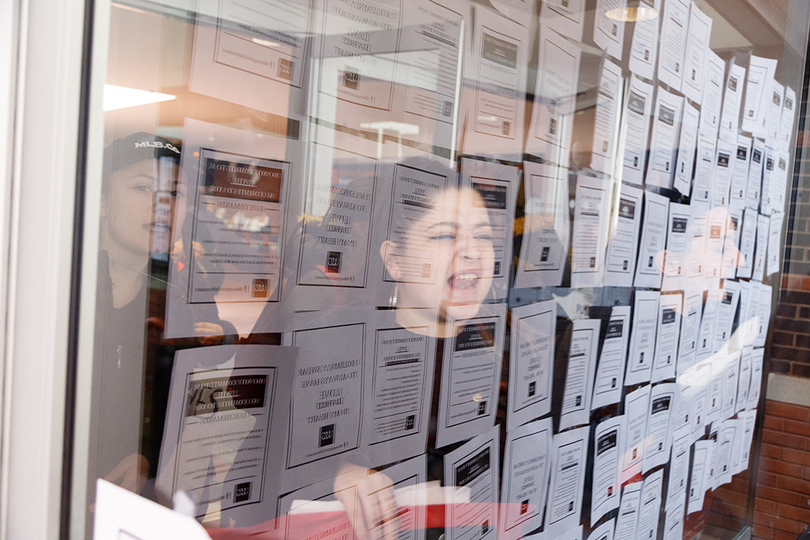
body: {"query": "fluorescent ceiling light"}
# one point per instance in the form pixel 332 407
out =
pixel 264 42
pixel 120 97
pixel 632 14
pixel 402 128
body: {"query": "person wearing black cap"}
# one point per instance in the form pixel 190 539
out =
pixel 143 194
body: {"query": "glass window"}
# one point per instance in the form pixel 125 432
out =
pixel 413 268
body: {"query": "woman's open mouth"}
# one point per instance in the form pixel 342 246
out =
pixel 463 282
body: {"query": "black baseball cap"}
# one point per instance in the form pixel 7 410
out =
pixel 137 147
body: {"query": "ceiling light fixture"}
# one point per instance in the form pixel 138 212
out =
pixel 121 97
pixel 632 14
pixel 264 42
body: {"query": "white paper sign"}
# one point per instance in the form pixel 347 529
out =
pixel 642 337
pixel 567 481
pixel 531 362
pixel 527 464
pixel 547 227
pixel 609 380
pixel 576 403
pixel 471 374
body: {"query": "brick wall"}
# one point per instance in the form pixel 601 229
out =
pixel 782 507
pixel 782 504
pixel 790 353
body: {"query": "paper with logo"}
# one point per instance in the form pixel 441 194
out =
pixel 576 403
pixel 726 438
pixel 731 375
pixel 636 406
pixel 566 16
pixel 756 379
pixel 747 243
pixel 687 145
pixel 697 48
pixel 634 131
pixel 668 335
pixel 704 168
pixel 416 196
pixel 697 479
pixel 673 521
pixel 738 448
pixel 745 333
pixel 690 324
pixel 642 337
pixel 723 171
pixel 674 34
pixel 715 241
pixel 748 418
pixel 711 106
pixel 255 54
pixel 675 262
pixel 775 243
pixel 234 251
pixel 608 32
pixel 606 121
pixel 567 481
pixel 726 311
pixel 226 420
pixel 696 245
pixel 496 188
pixel 353 60
pixel 555 97
pixel 531 362
pixel 715 389
pixel 122 515
pixel 607 456
pixel 627 521
pixel 775 97
pixel 768 171
pixel 787 119
pixel 731 244
pixel 390 501
pixel 404 352
pixel 431 46
pixel 331 394
pixel 678 467
pixel 644 47
pixel 712 464
pixel 495 86
pixel 754 189
pixel 755 108
pixel 623 242
pixel 687 388
pixel 758 270
pixel 739 177
pixel 744 379
pixel 706 337
pixel 526 468
pixel 589 241
pixel 471 374
pixel 663 403
pixel 650 505
pixel 763 313
pixel 730 116
pixel 777 185
pixel 546 227
pixel 333 257
pixel 609 380
pixel 471 472
pixel 649 268
pixel 664 140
